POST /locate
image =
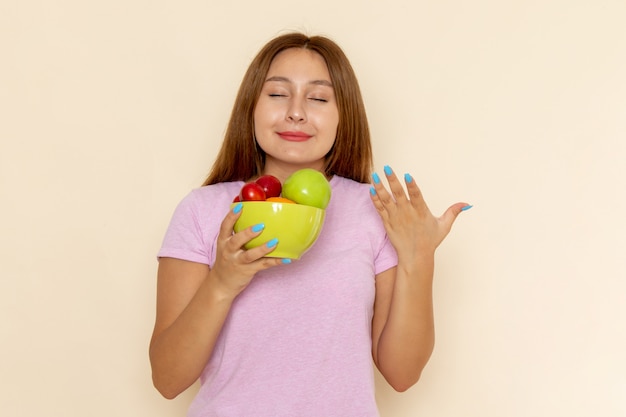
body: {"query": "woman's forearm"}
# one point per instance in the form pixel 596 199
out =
pixel 407 339
pixel 179 353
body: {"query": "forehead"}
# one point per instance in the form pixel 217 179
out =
pixel 300 62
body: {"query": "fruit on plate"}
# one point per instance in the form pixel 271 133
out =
pixel 309 187
pixel 306 186
pixel 270 185
pixel 252 191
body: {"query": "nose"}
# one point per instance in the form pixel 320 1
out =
pixel 296 112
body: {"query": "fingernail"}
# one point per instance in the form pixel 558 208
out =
pixel 372 191
pixel 272 243
pixel 237 208
pixel 376 178
pixel 408 178
pixel 388 170
pixel 286 261
pixel 466 208
pixel 258 227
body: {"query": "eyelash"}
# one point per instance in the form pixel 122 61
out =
pixel 321 100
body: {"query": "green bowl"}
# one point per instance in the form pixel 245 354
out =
pixel 295 225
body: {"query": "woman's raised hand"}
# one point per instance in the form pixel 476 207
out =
pixel 411 227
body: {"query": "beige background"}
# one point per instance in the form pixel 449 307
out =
pixel 110 112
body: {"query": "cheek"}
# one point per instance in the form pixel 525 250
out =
pixel 260 118
pixel 334 119
pixel 332 124
pixel 265 115
pixel 263 123
pixel 327 119
pixel 258 114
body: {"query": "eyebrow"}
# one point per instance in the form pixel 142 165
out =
pixel 278 78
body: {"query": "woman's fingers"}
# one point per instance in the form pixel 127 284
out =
pixel 226 228
pixel 450 215
pixel 394 185
pixel 415 194
pixel 233 243
pixel 406 215
pixel 253 254
pixel 389 200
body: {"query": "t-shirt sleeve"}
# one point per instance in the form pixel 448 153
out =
pixel 184 237
pixel 386 258
pixel 385 255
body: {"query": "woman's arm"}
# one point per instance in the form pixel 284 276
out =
pixel 403 327
pixel 193 302
pixel 191 309
pixel 403 334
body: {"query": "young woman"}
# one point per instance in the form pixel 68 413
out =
pixel 271 337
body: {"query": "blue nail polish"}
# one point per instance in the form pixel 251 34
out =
pixel 258 227
pixel 376 178
pixel 466 207
pixel 372 191
pixel 272 243
pixel 388 170
pixel 237 208
pixel 286 261
pixel 408 178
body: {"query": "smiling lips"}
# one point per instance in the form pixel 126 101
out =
pixel 294 136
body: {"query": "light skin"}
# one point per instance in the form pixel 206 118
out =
pixel 403 333
pixel 296 116
pixel 296 120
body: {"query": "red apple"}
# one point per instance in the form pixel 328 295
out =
pixel 252 192
pixel 271 185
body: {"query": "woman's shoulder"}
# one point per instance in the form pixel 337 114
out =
pixel 210 198
pixel 211 194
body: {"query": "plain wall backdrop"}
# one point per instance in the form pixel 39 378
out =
pixel 110 112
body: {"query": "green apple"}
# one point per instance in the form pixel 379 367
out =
pixel 309 187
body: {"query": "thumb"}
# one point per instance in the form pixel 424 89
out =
pixel 450 215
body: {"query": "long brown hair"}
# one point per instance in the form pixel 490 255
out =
pixel 240 158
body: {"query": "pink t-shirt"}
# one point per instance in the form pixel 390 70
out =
pixel 297 341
